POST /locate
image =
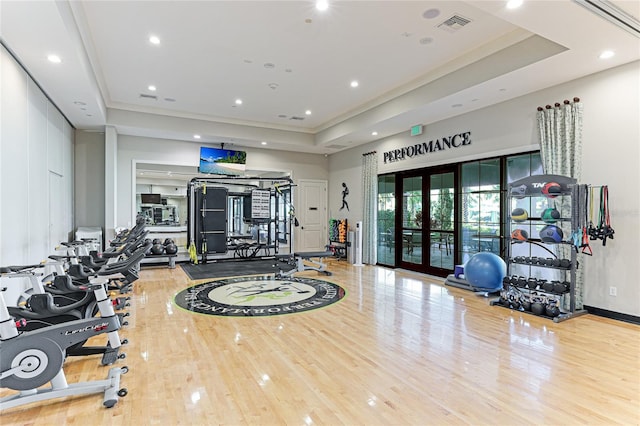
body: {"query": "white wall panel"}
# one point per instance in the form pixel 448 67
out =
pixel 55 146
pixel 14 167
pixel 38 181
pixel 34 137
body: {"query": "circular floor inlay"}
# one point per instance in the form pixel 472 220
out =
pixel 258 296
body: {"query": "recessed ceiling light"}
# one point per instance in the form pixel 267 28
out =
pixel 263 143
pixel 238 101
pixel 354 83
pixel 154 40
pixel 54 58
pixel 374 133
pixel 431 13
pixel 514 4
pixel 196 136
pixel 426 40
pixel 308 112
pixel 152 88
pixel 607 54
pixel 322 5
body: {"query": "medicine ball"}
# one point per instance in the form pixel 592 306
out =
pixel 519 215
pixel 519 235
pixel 157 241
pixel 551 189
pixel 550 215
pixel 171 248
pixel 551 234
pixel 157 249
pixel 167 241
pixel 519 191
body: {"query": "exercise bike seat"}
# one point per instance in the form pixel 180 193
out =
pixel 18 268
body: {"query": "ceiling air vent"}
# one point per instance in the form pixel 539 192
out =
pixel 144 96
pixel 454 23
pixel 293 117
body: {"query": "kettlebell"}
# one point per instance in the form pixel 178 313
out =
pixel 553 262
pixel 559 287
pixel 513 302
pixel 532 283
pixel 537 306
pixel 552 308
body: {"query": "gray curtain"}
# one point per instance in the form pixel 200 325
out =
pixel 370 192
pixel 560 130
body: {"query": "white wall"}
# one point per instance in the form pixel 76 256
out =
pixel 90 179
pixel 36 170
pixel 611 156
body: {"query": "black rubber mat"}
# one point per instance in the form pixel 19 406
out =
pixel 234 268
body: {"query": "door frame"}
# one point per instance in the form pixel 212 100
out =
pixel 322 207
pixel 425 266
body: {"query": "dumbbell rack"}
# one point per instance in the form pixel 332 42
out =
pixel 525 293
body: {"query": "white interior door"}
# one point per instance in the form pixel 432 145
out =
pixel 312 215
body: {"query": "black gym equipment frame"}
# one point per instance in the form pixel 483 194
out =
pixel 206 234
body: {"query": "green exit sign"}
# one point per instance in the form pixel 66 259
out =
pixel 416 130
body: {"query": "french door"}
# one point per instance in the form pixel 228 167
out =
pixel 426 227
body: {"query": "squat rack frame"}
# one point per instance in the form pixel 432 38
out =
pixel 274 185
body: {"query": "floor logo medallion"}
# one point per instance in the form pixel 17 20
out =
pixel 258 296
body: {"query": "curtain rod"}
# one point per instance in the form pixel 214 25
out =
pixel 557 104
pixel 369 153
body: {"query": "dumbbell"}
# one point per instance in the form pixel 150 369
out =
pixel 547 286
pixel 531 284
pixel 565 263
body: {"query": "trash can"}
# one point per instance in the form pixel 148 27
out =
pixel 351 236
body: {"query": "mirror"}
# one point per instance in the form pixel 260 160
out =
pixel 161 197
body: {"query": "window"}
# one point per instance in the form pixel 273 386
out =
pixel 480 208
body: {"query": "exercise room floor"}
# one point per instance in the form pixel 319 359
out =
pixel 400 349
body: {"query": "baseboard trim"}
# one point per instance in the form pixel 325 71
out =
pixel 613 315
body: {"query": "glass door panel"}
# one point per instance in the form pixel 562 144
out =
pixel 412 220
pixel 441 240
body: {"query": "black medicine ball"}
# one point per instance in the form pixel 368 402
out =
pixel 171 248
pixel 157 249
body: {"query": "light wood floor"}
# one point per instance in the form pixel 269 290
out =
pixel 400 349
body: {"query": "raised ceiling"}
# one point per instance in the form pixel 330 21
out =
pixel 416 62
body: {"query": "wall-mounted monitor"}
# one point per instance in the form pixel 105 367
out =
pixel 216 161
pixel 151 198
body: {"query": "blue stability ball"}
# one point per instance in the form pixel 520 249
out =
pixel 485 271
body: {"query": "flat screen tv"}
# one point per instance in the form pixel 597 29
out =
pixel 151 198
pixel 217 161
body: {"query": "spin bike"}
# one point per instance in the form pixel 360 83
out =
pixel 31 360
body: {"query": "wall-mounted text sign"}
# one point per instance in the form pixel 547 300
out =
pixel 455 141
